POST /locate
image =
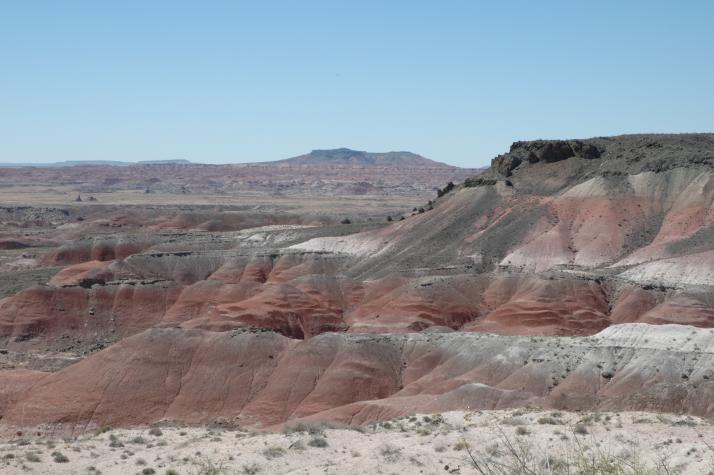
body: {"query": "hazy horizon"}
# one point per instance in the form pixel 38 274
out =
pixel 229 82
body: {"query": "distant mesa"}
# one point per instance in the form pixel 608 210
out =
pixel 163 162
pixel 358 158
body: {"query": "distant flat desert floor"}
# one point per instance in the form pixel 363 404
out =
pixel 62 195
pixel 510 441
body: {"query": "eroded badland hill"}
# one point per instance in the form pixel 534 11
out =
pixel 573 275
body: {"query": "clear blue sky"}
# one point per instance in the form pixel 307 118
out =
pixel 237 81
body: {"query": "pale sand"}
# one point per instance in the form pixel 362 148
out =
pixel 421 444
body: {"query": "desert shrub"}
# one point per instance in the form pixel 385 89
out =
pixel 521 456
pixel 390 452
pixel 138 440
pixel 140 461
pixel 434 419
pixel 689 422
pixel 520 430
pixel 148 471
pixel 514 421
pixel 423 431
pixel 461 444
pixel 317 441
pixel 273 452
pixel 449 186
pixel 552 464
pixel 479 181
pixel 155 431
pixel 250 469
pixel 32 457
pixel 346 221
pixel 302 427
pixel 549 420
pixel 59 457
pixel 580 429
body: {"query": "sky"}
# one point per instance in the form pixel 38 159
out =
pixel 238 81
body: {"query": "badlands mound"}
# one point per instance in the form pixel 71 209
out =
pixel 573 274
pixel 261 378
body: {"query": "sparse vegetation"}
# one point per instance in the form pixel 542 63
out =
pixel 529 441
pixel 114 441
pixel 302 427
pixel 59 457
pixel 273 452
pixel 522 457
pixel 319 442
pixel 549 420
pixel 250 469
pixel 441 192
pixel 390 452
pixel 461 444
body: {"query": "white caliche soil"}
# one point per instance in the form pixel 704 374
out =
pixel 520 440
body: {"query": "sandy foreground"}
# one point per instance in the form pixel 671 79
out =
pixel 490 442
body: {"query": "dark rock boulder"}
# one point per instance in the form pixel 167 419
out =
pixel 585 150
pixel 546 151
pixel 505 164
